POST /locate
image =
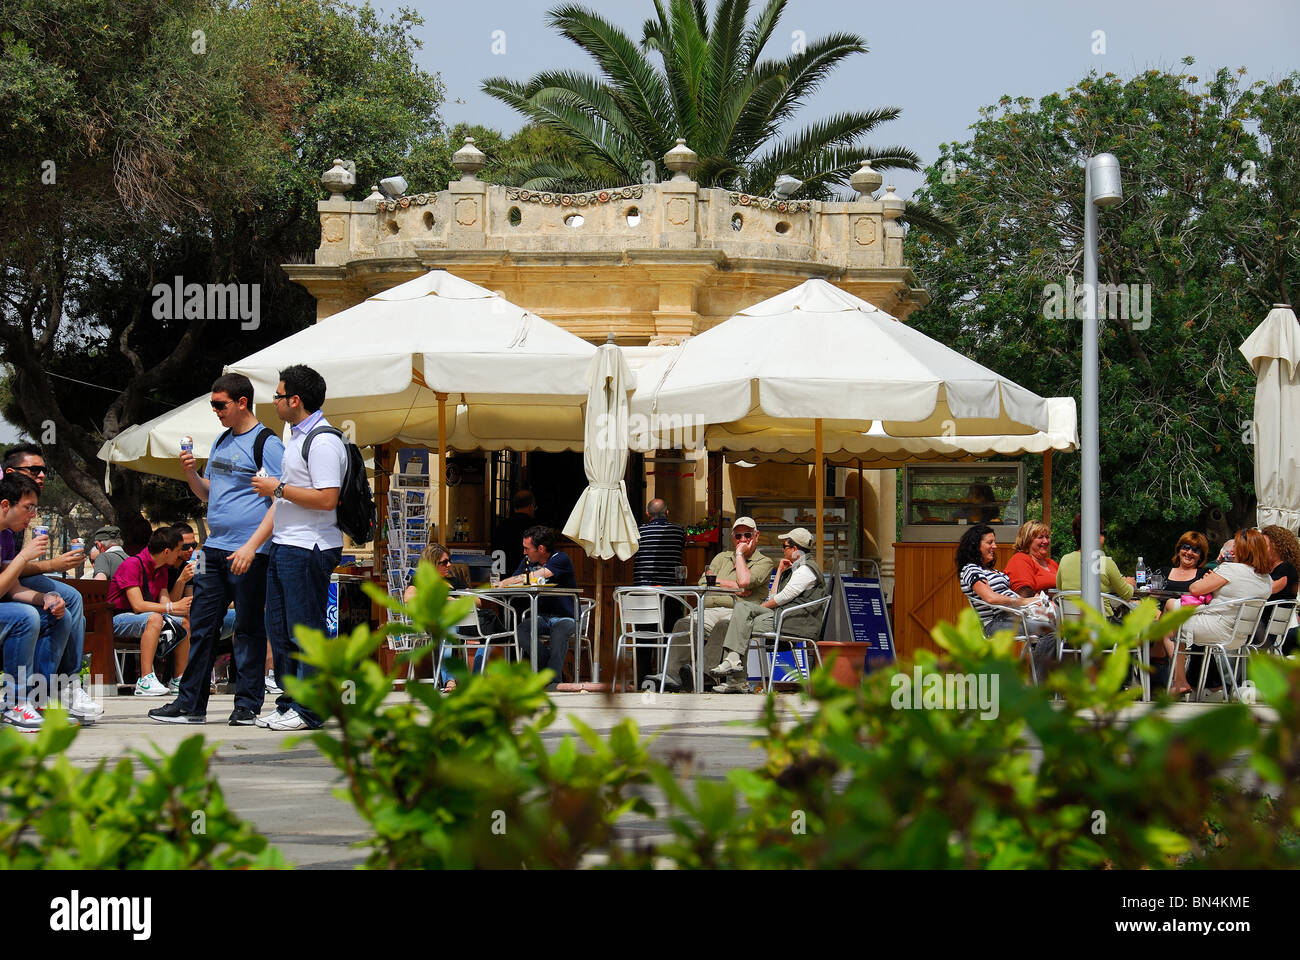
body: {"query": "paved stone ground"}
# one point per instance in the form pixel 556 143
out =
pixel 288 793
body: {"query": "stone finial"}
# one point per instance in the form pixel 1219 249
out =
pixel 469 160
pixel 865 180
pixel 375 195
pixel 681 160
pixel 338 179
pixel 893 203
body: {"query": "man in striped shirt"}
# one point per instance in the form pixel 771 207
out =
pixel 660 552
pixel 657 558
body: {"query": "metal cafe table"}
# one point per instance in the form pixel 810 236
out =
pixel 532 592
pixel 698 592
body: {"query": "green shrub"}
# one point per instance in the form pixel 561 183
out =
pixel 1088 781
pixel 464 780
pixel 56 816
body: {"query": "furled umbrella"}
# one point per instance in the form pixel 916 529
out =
pixel 1273 352
pixel 602 522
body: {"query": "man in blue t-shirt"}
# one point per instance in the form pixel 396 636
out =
pixel 543 563
pixel 232 564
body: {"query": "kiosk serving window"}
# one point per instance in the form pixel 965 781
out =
pixel 939 503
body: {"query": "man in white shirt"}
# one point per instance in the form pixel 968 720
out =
pixel 306 541
pixel 798 580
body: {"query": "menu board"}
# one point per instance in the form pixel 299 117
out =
pixel 858 615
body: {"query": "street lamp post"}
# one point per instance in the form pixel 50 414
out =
pixel 1101 189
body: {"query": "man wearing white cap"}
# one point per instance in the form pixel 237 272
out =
pixel 798 580
pixel 743 569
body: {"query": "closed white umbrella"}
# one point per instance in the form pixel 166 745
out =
pixel 602 522
pixel 398 365
pixel 1273 352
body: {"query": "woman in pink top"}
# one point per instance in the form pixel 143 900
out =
pixel 1031 568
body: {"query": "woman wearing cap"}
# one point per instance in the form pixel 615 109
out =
pixel 798 580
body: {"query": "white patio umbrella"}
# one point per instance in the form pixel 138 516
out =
pixel 397 364
pixel 1273 352
pixel 837 363
pixel 602 521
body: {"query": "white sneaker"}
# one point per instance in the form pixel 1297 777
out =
pixel 266 720
pixel 24 716
pixel 81 704
pixel 271 685
pixel 289 720
pixel 150 686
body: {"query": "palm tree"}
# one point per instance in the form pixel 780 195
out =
pixel 710 87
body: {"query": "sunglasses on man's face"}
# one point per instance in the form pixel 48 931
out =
pixel 219 405
pixel 744 536
pixel 282 396
pixel 37 470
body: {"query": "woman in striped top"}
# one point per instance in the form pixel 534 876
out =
pixel 987 588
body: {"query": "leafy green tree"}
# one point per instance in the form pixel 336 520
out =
pixel 711 86
pixel 1207 231
pixel 154 139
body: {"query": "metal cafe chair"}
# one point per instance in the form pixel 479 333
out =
pixel 1024 636
pixel 1267 637
pixel 767 661
pixel 1069 608
pixel 641 626
pixel 582 638
pixel 1245 615
pixel 1275 621
pixel 469 634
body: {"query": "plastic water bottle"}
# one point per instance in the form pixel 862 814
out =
pixel 1141 573
pixel 187 444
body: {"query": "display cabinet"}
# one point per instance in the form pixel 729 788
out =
pixel 941 502
pixel 775 517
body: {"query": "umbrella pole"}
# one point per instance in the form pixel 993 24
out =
pixel 442 467
pixel 820 474
pixel 595 632
pixel 1047 488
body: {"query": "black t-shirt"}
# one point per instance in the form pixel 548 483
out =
pixel 1173 584
pixel 1286 570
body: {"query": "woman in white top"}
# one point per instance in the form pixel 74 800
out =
pixel 1246 576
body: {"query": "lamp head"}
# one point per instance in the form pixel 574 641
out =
pixel 1104 180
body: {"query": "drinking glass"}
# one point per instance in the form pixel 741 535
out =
pixel 680 570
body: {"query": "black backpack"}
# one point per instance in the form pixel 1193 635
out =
pixel 356 510
pixel 259 442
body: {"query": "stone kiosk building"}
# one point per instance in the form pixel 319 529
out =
pixel 649 263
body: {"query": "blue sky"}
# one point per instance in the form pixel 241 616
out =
pixel 938 62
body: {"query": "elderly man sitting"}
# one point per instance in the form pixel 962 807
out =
pixel 798 580
pixel 743 569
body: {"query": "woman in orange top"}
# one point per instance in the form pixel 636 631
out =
pixel 1031 568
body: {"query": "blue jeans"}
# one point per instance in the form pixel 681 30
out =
pixel 561 630
pixel 297 591
pixel 61 653
pixel 214 588
pixel 21 626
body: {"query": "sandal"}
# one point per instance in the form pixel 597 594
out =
pixel 449 686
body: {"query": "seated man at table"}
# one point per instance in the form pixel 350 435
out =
pixel 1069 575
pixel 798 580
pixel 542 563
pixel 743 569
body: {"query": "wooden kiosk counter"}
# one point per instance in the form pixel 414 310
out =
pixel 940 503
